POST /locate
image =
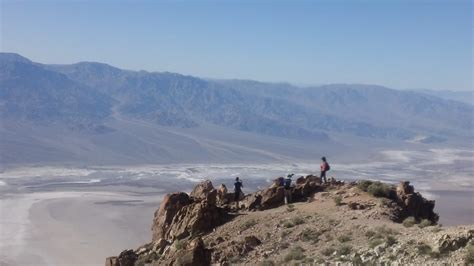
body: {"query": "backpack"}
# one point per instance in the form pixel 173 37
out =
pixel 281 181
pixel 287 183
pixel 328 167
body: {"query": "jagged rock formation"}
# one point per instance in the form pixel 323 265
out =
pixel 273 196
pixel 203 228
pixel 181 216
pixel 170 205
pixel 413 204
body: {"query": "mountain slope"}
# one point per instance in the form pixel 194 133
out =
pixel 95 108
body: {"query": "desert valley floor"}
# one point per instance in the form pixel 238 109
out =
pixel 103 210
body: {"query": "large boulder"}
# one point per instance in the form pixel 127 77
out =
pixel 272 197
pixel 252 201
pixel 126 258
pixel 193 254
pixel 111 261
pixel 222 197
pixel 170 205
pixel 277 182
pixel 194 219
pixel 204 191
pixel 413 204
pixel 304 190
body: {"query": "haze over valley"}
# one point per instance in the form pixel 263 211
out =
pixel 89 147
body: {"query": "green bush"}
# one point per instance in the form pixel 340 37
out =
pixel 235 259
pixel 390 240
pixel 267 263
pixel 423 249
pixel 375 242
pixel 328 251
pixel 384 230
pixel 310 235
pixel 379 189
pixel 424 223
pixel 290 207
pixel 357 260
pixel 298 221
pixel 179 244
pixel 364 184
pixel 288 224
pixel 435 254
pixel 338 200
pixel 469 258
pixel 409 222
pixel 296 253
pixel 344 250
pixel 146 259
pixel 369 234
pixel 248 224
pixel 344 238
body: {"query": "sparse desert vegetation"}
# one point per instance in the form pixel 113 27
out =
pixel 338 200
pixel 409 222
pixel 375 188
pixel 424 223
pixel 469 258
pixel 296 253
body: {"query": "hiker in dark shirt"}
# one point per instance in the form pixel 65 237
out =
pixel 287 188
pixel 237 190
pixel 324 168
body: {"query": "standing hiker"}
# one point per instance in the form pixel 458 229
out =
pixel 324 168
pixel 237 191
pixel 288 189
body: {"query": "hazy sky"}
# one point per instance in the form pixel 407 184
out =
pixel 400 44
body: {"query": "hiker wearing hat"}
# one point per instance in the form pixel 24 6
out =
pixel 324 168
pixel 287 188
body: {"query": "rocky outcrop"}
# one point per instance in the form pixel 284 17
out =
pixel 413 204
pixel 169 207
pixel 222 195
pixel 195 219
pixel 453 242
pixel 194 253
pixel 273 196
pixel 204 191
pixel 183 221
pixel 181 215
pixel 252 201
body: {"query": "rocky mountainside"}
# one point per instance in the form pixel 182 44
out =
pixel 356 223
pixel 97 112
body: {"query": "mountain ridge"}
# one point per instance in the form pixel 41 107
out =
pixel 96 99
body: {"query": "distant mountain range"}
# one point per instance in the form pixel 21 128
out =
pixel 95 113
pixel 460 96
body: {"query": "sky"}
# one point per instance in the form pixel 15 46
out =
pixel 400 44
